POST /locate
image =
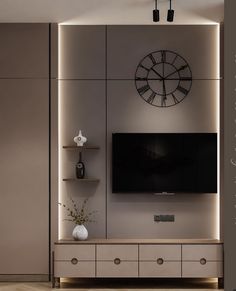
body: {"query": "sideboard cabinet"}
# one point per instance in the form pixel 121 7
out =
pixel 133 258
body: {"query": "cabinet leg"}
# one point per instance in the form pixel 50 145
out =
pixel 220 283
pixel 56 282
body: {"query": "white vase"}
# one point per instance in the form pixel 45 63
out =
pixel 80 232
pixel 80 139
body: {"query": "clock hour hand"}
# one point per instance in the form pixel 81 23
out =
pixel 157 73
pixel 180 69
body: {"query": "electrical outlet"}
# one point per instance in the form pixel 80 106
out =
pixel 164 218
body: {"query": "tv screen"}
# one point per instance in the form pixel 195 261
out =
pixel 164 162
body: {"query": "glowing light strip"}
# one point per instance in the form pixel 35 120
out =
pixel 217 225
pixel 59 135
pixel 217 218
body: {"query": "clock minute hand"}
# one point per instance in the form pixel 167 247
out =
pixel 180 69
pixel 157 73
pixel 164 94
pixel 164 89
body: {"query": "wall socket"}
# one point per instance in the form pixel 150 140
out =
pixel 164 218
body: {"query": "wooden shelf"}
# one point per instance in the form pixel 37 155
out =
pixel 140 241
pixel 74 147
pixel 81 180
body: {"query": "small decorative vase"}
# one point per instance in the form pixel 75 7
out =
pixel 80 168
pixel 80 232
pixel 80 139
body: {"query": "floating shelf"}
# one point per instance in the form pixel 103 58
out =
pixel 74 147
pixel 81 180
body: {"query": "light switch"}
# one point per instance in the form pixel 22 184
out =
pixel 164 218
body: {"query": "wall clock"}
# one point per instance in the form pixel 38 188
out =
pixel 163 78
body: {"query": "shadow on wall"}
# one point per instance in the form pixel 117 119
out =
pixel 212 12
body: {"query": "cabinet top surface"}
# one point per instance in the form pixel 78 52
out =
pixel 140 241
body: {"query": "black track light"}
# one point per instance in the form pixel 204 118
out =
pixel 170 14
pixel 156 14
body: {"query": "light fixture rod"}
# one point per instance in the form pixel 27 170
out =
pixel 170 5
pixel 155 4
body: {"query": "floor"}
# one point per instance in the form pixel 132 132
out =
pixel 111 285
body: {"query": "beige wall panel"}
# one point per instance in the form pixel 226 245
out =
pixel 128 112
pixel 82 52
pixel 54 50
pixel 129 44
pixel 24 50
pixel 229 154
pixel 131 215
pixel 82 106
pixel 54 162
pixel 24 176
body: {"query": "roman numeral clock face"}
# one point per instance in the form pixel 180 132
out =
pixel 163 78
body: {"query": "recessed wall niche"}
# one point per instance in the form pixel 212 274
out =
pixel 101 98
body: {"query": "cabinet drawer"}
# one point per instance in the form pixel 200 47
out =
pixel 81 269
pixel 80 252
pixel 110 269
pixel 197 252
pixel 166 252
pixel 122 252
pixel 167 269
pixel 196 270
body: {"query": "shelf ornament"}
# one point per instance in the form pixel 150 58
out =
pixel 80 139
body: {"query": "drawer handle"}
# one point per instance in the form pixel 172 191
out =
pixel 160 261
pixel 74 261
pixel 117 261
pixel 203 261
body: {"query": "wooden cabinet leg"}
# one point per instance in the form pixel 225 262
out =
pixel 56 282
pixel 220 283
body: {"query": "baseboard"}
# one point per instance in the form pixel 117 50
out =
pixel 24 278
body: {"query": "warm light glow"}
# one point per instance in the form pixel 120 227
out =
pixel 217 226
pixel 59 135
pixel 217 108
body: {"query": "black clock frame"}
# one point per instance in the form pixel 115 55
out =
pixel 179 79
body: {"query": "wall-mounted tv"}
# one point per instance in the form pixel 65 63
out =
pixel 164 163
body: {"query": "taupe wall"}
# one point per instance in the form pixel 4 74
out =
pixel 54 137
pixel 24 147
pixel 229 210
pixel 102 100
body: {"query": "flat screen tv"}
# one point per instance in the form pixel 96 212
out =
pixel 164 163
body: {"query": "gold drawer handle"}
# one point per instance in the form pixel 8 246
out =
pixel 117 261
pixel 74 261
pixel 160 261
pixel 203 261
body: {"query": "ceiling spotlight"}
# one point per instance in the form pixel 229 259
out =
pixel 170 14
pixel 156 15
